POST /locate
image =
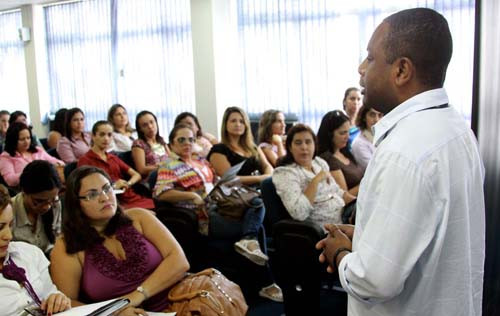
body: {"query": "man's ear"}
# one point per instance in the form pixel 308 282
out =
pixel 404 71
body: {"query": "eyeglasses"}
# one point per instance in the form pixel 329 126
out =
pixel 43 202
pixel 182 140
pixel 94 194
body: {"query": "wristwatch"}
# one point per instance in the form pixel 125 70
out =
pixel 142 290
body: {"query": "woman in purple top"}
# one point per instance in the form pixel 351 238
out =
pixel 149 149
pixel 106 254
pixel 75 142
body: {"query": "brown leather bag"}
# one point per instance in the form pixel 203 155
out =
pixel 207 293
pixel 233 199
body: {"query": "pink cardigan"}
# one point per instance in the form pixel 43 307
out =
pixel 12 167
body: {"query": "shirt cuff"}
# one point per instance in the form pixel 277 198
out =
pixel 343 267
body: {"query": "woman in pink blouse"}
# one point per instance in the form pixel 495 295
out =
pixel 19 151
pixel 76 142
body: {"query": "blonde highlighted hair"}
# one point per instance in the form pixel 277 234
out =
pixel 246 140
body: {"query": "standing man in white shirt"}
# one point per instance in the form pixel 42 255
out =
pixel 418 244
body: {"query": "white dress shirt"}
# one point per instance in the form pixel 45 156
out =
pixel 419 242
pixel 292 180
pixel 14 297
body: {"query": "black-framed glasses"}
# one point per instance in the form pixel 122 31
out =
pixel 43 202
pixel 94 194
pixel 182 140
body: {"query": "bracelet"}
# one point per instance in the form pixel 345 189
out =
pixel 337 253
pixel 129 183
pixel 143 291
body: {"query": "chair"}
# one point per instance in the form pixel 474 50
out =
pixel 126 157
pixel 45 143
pixel 53 153
pixel 68 168
pixel 295 266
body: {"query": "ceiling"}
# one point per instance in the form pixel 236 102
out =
pixel 12 4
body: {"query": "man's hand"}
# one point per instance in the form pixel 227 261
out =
pixel 336 239
pixel 345 228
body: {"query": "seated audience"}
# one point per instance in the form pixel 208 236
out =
pixel 149 149
pixel 75 142
pixel 272 135
pixel 362 147
pixel 4 125
pixel 24 272
pixel 57 130
pixel 19 151
pixel 123 133
pixel 20 117
pixel 184 181
pixel 333 136
pixel 351 104
pixel 236 146
pixel 204 141
pixel 37 208
pixel 304 183
pixel 102 137
pixel 105 254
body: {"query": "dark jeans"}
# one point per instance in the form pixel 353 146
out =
pixel 248 227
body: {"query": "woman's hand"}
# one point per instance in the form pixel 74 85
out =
pixel 197 200
pixel 121 184
pixel 131 311
pixel 323 175
pixel 276 140
pixel 56 303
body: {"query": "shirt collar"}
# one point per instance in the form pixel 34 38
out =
pixel 419 102
pixel 20 211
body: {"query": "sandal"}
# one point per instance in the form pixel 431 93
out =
pixel 250 249
pixel 272 292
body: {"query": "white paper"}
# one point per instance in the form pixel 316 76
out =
pixel 89 308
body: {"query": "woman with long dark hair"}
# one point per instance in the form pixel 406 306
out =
pixel 333 137
pixel 58 128
pixel 75 142
pixel 149 149
pixel 107 254
pixel 19 150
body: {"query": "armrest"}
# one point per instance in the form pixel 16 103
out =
pixel 300 228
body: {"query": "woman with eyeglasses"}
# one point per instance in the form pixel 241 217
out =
pixel 105 253
pixel 25 282
pixel 19 150
pixel 184 182
pixel 304 183
pixel 204 141
pixel 37 209
pixel 123 134
pixel 75 142
pixel 149 150
pixel 333 137
pixel 102 138
pixel 363 147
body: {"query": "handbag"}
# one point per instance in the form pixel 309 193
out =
pixel 233 199
pixel 207 293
